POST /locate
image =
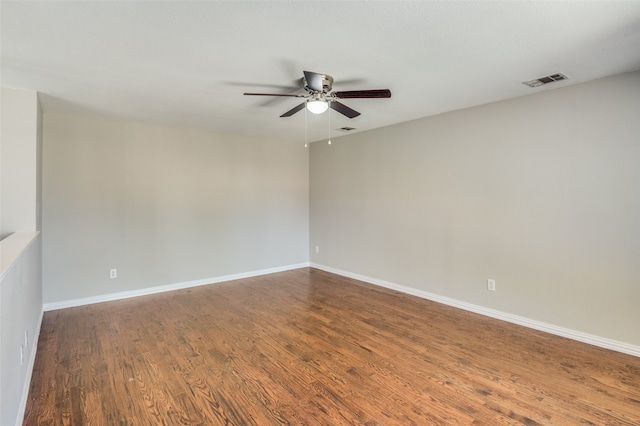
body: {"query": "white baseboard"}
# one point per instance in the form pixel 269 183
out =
pixel 515 319
pixel 169 287
pixel 32 361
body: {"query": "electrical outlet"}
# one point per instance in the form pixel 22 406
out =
pixel 113 273
pixel 491 285
pixel 21 355
pixel 317 249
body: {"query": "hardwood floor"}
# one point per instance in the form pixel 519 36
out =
pixel 309 347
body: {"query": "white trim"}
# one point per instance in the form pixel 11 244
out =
pixel 32 361
pixel 169 287
pixel 515 319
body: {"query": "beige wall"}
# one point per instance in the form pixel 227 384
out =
pixel 541 193
pixel 20 149
pixel 165 206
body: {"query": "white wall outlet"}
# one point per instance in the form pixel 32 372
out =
pixel 317 249
pixel 113 273
pixel 21 355
pixel 491 285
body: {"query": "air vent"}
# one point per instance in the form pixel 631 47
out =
pixel 346 129
pixel 546 80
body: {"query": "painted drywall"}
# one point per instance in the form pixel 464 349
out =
pixel 20 313
pixel 20 148
pixel 540 193
pixel 20 248
pixel 165 205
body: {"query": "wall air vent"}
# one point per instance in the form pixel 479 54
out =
pixel 545 80
pixel 346 129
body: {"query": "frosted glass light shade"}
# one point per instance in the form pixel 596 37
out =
pixel 317 107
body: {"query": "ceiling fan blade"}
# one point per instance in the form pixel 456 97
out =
pixel 276 94
pixel 359 94
pixel 294 110
pixel 343 109
pixel 314 80
pixel 298 85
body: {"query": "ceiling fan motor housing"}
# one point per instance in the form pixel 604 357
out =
pixel 327 84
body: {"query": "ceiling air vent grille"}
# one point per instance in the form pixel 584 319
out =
pixel 546 80
pixel 346 129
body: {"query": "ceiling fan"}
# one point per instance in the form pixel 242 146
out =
pixel 320 96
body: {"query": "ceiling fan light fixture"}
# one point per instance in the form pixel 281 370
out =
pixel 317 107
pixel 321 96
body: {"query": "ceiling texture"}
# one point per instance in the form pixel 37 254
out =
pixel 187 63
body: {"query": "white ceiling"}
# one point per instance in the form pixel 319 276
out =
pixel 187 63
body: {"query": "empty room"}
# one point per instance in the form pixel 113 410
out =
pixel 320 213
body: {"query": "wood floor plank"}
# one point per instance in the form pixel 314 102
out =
pixel 307 347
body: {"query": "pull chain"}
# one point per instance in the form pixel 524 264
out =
pixel 306 139
pixel 329 143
